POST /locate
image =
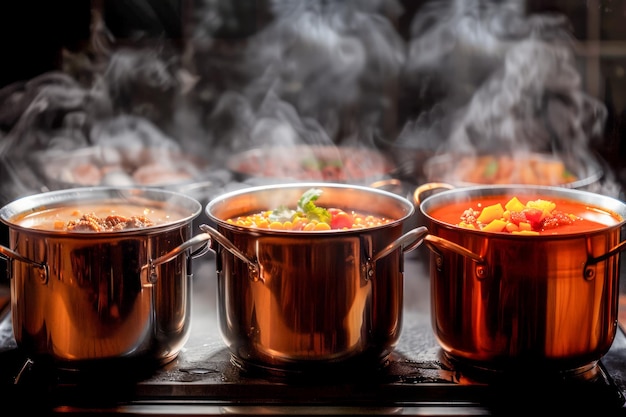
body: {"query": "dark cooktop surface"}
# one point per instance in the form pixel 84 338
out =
pixel 202 380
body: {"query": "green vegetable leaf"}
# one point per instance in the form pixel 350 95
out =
pixel 306 205
pixel 309 196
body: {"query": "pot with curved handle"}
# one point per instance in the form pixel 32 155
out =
pixel 86 299
pixel 292 302
pixel 521 302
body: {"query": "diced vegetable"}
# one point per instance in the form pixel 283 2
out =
pixel 516 217
pixel 308 217
pixel 514 205
pixel 490 213
pixel 340 219
pixel 495 225
pixel 543 205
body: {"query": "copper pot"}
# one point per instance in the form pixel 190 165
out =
pixel 295 302
pixel 85 299
pixel 511 302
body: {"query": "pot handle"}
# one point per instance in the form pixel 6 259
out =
pixel 223 240
pixel 613 251
pixel 204 239
pixel 390 184
pixel 429 186
pixel 408 241
pixel 196 240
pixel 11 254
pixel 436 242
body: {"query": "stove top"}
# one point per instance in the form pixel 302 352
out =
pixel 418 380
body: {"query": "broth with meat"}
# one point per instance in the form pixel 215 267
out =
pixel 97 217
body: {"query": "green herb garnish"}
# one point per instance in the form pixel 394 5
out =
pixel 306 208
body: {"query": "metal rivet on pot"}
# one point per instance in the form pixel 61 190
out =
pixel 481 272
pixel 152 275
pixel 43 274
pixel 439 262
pixel 254 273
pixel 367 270
pixel 590 273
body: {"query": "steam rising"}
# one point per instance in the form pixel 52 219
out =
pixel 469 76
pixel 499 79
pixel 529 106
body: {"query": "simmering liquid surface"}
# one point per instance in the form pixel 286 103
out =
pixel 590 217
pixel 57 219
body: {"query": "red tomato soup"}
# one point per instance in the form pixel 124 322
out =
pixel 525 214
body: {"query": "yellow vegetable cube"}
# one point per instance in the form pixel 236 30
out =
pixel 543 205
pixel 496 225
pixel 490 213
pixel 514 205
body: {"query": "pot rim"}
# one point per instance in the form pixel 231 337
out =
pixel 407 206
pixel 79 195
pixel 609 204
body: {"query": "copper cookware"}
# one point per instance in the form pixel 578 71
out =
pixel 295 302
pixel 511 302
pixel 85 299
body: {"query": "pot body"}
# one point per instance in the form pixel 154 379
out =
pixel 534 301
pixel 315 299
pixel 91 298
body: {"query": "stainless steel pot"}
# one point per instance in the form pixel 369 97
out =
pixel 511 302
pixel 295 302
pixel 79 299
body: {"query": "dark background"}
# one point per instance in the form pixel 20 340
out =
pixel 34 34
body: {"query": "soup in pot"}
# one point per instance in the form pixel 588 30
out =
pixel 97 217
pixel 307 216
pixel 527 215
